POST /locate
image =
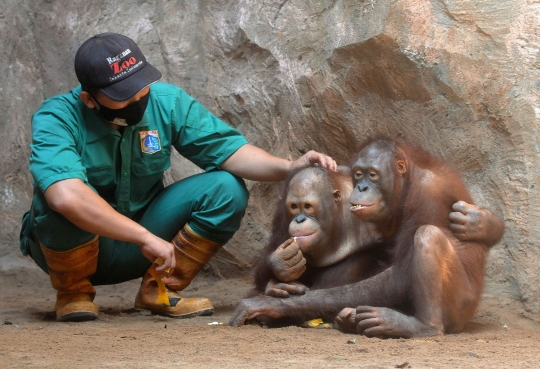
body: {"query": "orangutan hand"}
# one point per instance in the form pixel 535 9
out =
pixel 250 308
pixel 277 289
pixel 472 223
pixel 287 262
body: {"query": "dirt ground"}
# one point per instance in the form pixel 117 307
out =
pixel 502 335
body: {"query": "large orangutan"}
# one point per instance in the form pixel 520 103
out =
pixel 435 280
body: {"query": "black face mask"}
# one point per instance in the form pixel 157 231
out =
pixel 126 116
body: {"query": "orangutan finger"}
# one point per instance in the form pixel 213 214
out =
pixel 296 259
pixel 457 228
pixel 460 206
pixel 285 244
pixel 295 289
pixel 364 324
pixel 364 316
pixel 376 331
pixel 277 292
pixel 364 308
pixel 456 217
pixel 290 251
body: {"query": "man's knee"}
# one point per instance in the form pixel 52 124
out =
pixel 231 188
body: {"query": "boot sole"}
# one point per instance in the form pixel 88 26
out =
pixel 206 312
pixel 77 317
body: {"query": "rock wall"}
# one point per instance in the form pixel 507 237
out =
pixel 460 77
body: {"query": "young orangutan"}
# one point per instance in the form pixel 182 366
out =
pixel 315 242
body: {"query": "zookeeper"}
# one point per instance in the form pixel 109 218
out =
pixel 100 212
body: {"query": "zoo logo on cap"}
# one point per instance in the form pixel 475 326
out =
pixel 150 141
pixel 121 68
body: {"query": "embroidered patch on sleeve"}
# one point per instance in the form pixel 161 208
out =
pixel 150 141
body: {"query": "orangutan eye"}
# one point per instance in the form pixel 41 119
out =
pixel 358 175
pixel 374 176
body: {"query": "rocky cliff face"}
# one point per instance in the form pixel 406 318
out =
pixel 459 77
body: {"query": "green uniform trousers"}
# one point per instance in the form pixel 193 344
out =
pixel 213 203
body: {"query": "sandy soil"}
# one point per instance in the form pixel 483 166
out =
pixel 502 335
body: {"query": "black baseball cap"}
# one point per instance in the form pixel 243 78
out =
pixel 115 65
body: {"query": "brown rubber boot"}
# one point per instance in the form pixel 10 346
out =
pixel 192 252
pixel 70 272
pixel 180 307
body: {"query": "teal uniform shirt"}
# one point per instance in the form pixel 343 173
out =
pixel 126 169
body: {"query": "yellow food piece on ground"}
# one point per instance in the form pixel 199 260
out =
pixel 312 323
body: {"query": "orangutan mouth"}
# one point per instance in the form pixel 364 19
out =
pixel 359 207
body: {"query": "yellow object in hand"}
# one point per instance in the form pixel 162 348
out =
pixel 162 297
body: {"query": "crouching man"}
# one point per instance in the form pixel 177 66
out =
pixel 100 213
